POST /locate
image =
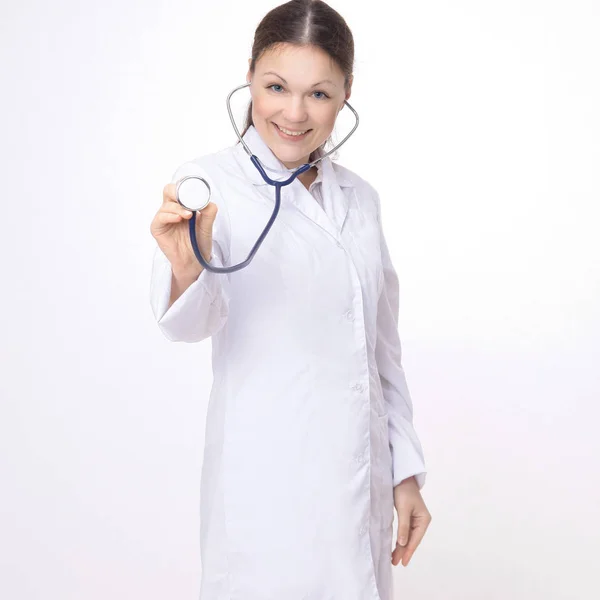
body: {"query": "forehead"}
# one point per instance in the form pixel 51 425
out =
pixel 297 61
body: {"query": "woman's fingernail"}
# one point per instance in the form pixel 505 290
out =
pixel 402 541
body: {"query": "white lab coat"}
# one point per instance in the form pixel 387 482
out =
pixel 309 423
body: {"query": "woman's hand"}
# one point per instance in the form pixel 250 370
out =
pixel 171 231
pixel 413 520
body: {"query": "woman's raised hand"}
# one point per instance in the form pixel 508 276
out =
pixel 170 228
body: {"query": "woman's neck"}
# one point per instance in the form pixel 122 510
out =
pixel 308 177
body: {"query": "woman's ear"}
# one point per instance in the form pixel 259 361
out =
pixel 349 90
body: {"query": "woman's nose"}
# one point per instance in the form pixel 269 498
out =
pixel 295 110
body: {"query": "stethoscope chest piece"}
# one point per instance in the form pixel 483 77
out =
pixel 193 192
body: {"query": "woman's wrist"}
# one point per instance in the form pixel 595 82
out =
pixel 408 481
pixel 186 273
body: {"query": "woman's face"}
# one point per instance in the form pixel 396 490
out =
pixel 300 89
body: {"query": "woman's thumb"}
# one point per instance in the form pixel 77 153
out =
pixel 403 527
pixel 206 218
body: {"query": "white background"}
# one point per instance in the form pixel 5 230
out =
pixel 479 128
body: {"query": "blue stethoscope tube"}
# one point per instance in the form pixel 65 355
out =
pixel 277 184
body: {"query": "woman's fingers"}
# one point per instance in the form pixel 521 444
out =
pixel 416 535
pixel 168 214
pixel 168 210
pixel 417 531
pixel 177 209
pixel 170 203
pixel 169 193
pixel 168 217
pixel 397 553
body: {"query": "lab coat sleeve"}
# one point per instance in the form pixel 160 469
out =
pixel 203 307
pixel 407 453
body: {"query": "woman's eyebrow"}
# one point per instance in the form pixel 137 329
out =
pixel 313 85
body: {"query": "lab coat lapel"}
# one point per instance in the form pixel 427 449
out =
pixel 337 191
pixel 335 199
pixel 335 202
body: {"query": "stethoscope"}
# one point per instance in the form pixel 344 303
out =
pixel 196 192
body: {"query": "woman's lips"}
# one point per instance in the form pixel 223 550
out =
pixel 291 138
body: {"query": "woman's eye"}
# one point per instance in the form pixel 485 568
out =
pixel 276 85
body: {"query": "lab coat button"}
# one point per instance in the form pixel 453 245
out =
pixel 349 315
pixel 359 387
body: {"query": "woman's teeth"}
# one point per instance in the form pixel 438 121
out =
pixel 292 132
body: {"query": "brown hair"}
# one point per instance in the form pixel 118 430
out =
pixel 305 23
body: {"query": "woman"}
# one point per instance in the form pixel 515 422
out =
pixel 309 436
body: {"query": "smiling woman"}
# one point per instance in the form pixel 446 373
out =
pixel 310 444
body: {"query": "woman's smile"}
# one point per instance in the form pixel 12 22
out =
pixel 295 137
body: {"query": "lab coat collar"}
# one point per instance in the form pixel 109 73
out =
pixel 336 200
